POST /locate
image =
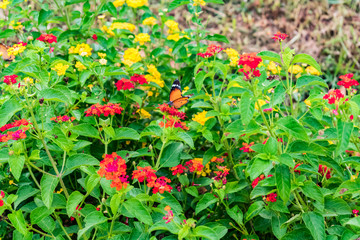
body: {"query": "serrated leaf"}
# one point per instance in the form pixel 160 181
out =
pixel 74 200
pixel 48 184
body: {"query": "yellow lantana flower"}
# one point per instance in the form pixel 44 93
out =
pixel 144 114
pixel 307 102
pixel 79 66
pixel 16 49
pixel 199 3
pixel 16 26
pixel 173 26
pixel 295 69
pixel 131 56
pixel 201 117
pixel 118 3
pixel 142 38
pixel 118 25
pixel 60 69
pixel 150 21
pixel 311 70
pixel 82 49
pixel 273 68
pixel 137 3
pixel 4 3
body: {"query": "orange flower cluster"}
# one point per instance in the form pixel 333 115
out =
pixel 113 167
pixel 60 119
pixel 18 134
pixel 107 109
pixel 249 62
pixel 148 174
pixel 173 122
pixel 16 123
pixel 172 111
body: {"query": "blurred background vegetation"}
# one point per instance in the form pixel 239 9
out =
pixel 329 30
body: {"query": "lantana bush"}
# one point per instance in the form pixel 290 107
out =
pixel 92 146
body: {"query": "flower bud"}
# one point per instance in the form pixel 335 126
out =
pixel 30 38
pixel 41 101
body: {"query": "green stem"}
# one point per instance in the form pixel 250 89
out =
pixel 61 225
pixel 160 154
pixel 33 176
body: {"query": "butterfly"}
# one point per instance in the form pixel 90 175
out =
pixel 3 51
pixel 176 98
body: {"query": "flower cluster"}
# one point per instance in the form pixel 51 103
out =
pixel 18 134
pixel 16 123
pixel 137 3
pixel 148 174
pixel 2 195
pixel 179 169
pixel 354 211
pixel 271 197
pixel 118 25
pixel 10 79
pixel 113 167
pixel 106 110
pixel 233 55
pixel 16 49
pixel 211 50
pixel 246 147
pixel 142 38
pixel 60 69
pixel 150 21
pixel 279 36
pixel 201 118
pixel 249 63
pixel 79 66
pixel 273 68
pixel 258 179
pixel 125 84
pixel 221 175
pixel 82 49
pixel 347 81
pixel 131 56
pixel 4 3
pixel 169 214
pixel 165 108
pixel 48 38
pixel 325 171
pixel 61 119
pixel 333 95
pixel 154 75
pixel 172 122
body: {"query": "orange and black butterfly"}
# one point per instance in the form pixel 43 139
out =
pixel 5 55
pixel 176 98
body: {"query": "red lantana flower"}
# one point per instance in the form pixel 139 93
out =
pixel 169 214
pixel 94 37
pixel 333 95
pixel 347 81
pixel 246 147
pixel 106 110
pixel 144 173
pixel 179 169
pixel 140 79
pixel 2 195
pixel 16 123
pixel 165 108
pixel 49 38
pixel 160 185
pixel 279 36
pixel 211 50
pixel 325 170
pixel 221 175
pixel 10 79
pixel 61 119
pixel 124 84
pixel 271 197
pixel 258 179
pixel 22 43
pixel 194 166
pixel 113 167
pixel 355 212
pixel 249 63
pixel 297 171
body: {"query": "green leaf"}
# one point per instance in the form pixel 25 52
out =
pixel 205 202
pixel 8 109
pixel 205 232
pixel 305 58
pixel 254 210
pixel 153 130
pixel 43 16
pixel 177 3
pixel 257 167
pixel 95 218
pixel 126 133
pixel 39 214
pixel 80 159
pixel 298 234
pixel 115 203
pixel 179 44
pixel 236 214
pixel 271 56
pixel 171 155
pixel 306 147
pixel 53 95
pixel 309 80
pixel 287 160
pixel 283 183
pixel 316 224
pixel 16 163
pixel 279 96
pixel 170 200
pixel 86 130
pixel 271 146
pixel 344 130
pixel 353 222
pixel 111 8
pixel 199 80
pixel 292 126
pixel 276 222
pixel 68 34
pixel 136 208
pixel 247 108
pixel 337 206
pixel 17 219
pixel 311 190
pixel 217 38
pixel 48 184
pixel 24 192
pixel 84 75
pixel 74 200
pixel 7 33
pixel 183 136
pixel 91 182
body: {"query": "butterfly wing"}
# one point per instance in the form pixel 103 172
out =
pixel 3 51
pixel 178 103
pixel 175 92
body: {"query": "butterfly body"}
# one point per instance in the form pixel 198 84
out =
pixel 176 98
